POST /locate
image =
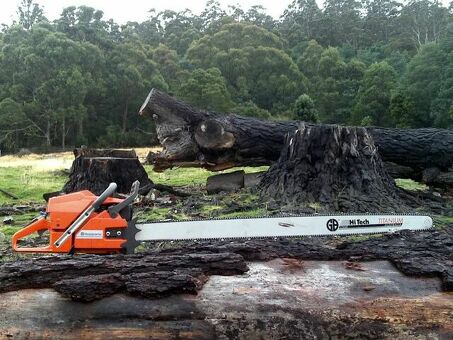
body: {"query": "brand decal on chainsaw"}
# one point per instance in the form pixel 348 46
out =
pixel 332 224
pixel 365 223
pixel 90 234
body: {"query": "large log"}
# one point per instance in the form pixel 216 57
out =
pixel 280 299
pixel 289 297
pixel 183 267
pixel 216 141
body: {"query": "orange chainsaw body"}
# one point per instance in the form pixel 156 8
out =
pixel 100 234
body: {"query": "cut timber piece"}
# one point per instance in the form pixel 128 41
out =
pixel 216 141
pixel 335 167
pixel 94 169
pixel 232 181
pixel 251 180
pixel 228 182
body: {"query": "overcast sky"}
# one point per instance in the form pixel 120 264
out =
pixel 136 10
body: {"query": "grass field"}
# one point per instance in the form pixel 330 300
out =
pixel 29 177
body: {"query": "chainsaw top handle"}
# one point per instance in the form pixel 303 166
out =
pixel 107 193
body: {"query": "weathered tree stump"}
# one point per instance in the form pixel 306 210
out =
pixel 216 141
pixel 94 169
pixel 334 166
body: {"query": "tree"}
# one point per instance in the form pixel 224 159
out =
pixel 381 19
pixel 309 61
pixel 252 61
pixel 424 21
pixel 29 13
pixel 206 89
pixel 134 73
pixel 304 109
pixel 373 101
pixel 301 21
pixel 168 64
pixel 401 110
pixel 328 90
pixel 342 23
pixel 14 125
pixel 421 82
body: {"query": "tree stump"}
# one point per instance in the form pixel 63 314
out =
pixel 94 169
pixel 333 168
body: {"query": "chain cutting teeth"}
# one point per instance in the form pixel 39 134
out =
pixel 250 238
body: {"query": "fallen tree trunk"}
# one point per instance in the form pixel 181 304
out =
pixel 215 141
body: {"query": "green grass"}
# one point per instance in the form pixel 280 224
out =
pixel 410 184
pixel 19 222
pixel 190 176
pixel 28 184
pixel 441 222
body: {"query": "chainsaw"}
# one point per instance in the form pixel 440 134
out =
pixel 82 222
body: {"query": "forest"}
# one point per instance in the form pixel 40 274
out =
pixel 80 79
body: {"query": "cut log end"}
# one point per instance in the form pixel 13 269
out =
pixel 210 134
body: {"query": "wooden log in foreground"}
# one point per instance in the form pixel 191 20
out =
pixel 216 141
pixel 183 267
pixel 313 300
pixel 297 294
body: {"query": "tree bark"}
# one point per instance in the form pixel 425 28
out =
pixel 337 168
pixel 63 132
pixel 91 277
pixel 216 141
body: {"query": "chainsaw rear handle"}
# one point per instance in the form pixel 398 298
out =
pixel 85 215
pixel 38 224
